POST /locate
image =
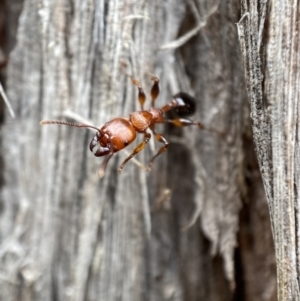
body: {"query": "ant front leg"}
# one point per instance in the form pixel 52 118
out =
pixel 162 139
pixel 154 90
pixel 104 164
pixel 102 151
pixel 142 94
pixel 140 147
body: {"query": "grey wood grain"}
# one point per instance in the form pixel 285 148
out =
pixel 66 234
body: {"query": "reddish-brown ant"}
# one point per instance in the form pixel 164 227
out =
pixel 120 132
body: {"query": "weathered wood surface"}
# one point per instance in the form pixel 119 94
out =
pixel 67 235
pixel 269 36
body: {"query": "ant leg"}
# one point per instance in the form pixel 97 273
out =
pixel 180 122
pixel 141 95
pixel 162 139
pixel 136 150
pixel 104 164
pixel 154 90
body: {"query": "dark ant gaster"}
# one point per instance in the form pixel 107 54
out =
pixel 120 132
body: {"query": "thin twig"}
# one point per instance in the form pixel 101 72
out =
pixel 6 101
pixel 136 17
pixel 76 117
pixel 183 39
pixel 145 205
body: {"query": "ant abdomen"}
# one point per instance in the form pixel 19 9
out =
pixel 187 104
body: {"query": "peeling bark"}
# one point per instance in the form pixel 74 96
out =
pixel 269 36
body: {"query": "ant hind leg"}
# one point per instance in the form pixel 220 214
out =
pixel 180 122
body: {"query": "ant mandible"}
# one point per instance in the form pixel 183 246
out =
pixel 120 132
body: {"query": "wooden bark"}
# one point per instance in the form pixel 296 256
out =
pixel 66 234
pixel 269 36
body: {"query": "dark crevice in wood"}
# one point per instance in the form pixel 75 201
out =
pixel 239 293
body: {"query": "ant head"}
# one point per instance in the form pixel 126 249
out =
pixel 186 102
pixel 104 146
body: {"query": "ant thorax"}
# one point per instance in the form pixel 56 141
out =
pixel 141 120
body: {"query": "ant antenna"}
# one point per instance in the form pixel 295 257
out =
pixel 78 125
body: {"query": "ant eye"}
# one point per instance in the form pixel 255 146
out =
pixel 187 104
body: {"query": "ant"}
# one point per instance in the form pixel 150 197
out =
pixel 120 132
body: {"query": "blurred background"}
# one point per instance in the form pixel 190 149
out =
pixel 196 227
